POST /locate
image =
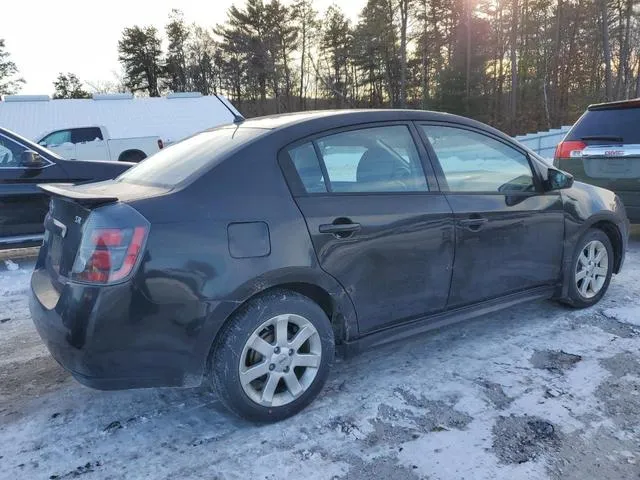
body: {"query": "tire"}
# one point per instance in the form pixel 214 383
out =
pixel 133 156
pixel 274 394
pixel 579 295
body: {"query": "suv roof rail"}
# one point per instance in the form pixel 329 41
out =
pixel 631 103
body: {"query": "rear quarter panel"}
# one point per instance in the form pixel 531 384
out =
pixel 188 264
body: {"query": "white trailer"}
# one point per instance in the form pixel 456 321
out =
pixel 113 126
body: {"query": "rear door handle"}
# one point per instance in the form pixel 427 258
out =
pixel 473 223
pixel 339 228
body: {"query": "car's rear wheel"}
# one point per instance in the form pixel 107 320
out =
pixel 273 357
pixel 591 269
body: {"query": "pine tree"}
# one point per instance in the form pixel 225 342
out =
pixel 10 83
pixel 69 86
pixel 178 34
pixel 140 52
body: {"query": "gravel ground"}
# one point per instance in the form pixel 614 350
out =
pixel 539 391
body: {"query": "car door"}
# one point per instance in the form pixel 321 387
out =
pixel 60 142
pixel 22 205
pixel 509 232
pixel 89 143
pixel 378 223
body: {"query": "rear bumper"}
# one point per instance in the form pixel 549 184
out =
pixel 113 337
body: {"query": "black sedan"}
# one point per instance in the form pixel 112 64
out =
pixel 23 165
pixel 246 255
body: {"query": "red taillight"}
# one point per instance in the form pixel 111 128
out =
pixel 160 144
pixel 570 149
pixel 107 237
pixel 107 255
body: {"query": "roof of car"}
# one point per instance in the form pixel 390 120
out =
pixel 353 115
pixel 317 121
pixel 631 103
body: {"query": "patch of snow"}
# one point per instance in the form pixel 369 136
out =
pixel 11 265
pixel 628 314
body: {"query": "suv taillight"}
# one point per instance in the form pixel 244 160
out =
pixel 569 149
pixel 108 255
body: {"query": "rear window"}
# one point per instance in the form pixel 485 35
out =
pixel 177 163
pixel 618 122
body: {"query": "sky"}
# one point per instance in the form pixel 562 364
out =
pixel 47 37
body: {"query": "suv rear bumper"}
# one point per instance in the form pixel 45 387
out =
pixel 112 338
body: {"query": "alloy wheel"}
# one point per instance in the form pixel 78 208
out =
pixel 592 269
pixel 280 360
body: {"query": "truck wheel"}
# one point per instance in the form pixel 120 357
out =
pixel 273 357
pixel 133 156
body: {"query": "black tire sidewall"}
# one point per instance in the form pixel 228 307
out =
pixel 223 367
pixel 574 295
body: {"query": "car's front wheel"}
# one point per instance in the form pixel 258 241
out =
pixel 591 269
pixel 273 357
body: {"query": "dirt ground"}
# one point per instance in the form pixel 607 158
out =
pixel 539 391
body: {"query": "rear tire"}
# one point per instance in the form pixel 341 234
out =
pixel 591 269
pixel 272 357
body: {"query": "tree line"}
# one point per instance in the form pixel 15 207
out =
pixel 520 65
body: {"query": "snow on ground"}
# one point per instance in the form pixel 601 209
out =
pixel 537 391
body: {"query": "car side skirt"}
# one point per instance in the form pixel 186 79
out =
pixel 433 322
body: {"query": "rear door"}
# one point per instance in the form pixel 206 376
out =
pixel 90 145
pixel 22 205
pixel 378 223
pixel 509 233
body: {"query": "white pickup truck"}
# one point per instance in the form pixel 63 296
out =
pixel 94 143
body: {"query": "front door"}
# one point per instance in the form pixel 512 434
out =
pixel 60 142
pixel 89 143
pixel 22 205
pixel 377 225
pixel 509 232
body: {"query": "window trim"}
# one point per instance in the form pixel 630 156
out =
pixel 48 162
pixel 442 180
pixel 297 187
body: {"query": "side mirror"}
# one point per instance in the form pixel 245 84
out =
pixel 557 180
pixel 31 159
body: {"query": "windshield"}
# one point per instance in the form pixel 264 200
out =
pixel 177 163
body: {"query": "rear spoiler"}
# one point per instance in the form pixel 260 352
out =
pixel 67 190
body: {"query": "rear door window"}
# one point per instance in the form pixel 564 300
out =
pixel 84 135
pixel 379 159
pixel 599 125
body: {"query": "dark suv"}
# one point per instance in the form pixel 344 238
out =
pixel 603 149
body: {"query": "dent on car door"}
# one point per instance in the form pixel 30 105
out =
pixel 22 205
pixel 509 232
pixel 376 223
